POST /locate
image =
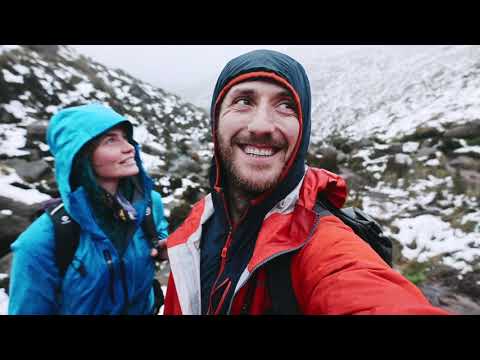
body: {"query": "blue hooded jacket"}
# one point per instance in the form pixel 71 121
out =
pixel 98 280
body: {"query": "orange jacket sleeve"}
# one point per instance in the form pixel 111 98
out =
pixel 338 273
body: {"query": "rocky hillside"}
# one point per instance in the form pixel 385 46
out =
pixel 401 124
pixel 36 81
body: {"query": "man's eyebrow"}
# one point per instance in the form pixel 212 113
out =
pixel 285 93
pixel 245 91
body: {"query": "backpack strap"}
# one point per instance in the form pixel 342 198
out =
pixel 279 285
pixel 148 226
pixel 363 225
pixel 279 279
pixel 67 237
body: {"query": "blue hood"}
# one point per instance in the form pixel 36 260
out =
pixel 68 131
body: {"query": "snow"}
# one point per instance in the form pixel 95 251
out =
pixel 410 147
pixel 468 149
pixel 403 159
pixel 433 162
pixel 22 70
pixel 6 212
pixel 29 197
pixel 151 161
pixel 435 237
pixel 6 48
pixel 26 196
pixel 12 138
pixel 11 78
pixel 3 302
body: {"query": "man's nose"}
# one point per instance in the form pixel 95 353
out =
pixel 262 121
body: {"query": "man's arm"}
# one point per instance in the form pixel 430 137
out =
pixel 338 273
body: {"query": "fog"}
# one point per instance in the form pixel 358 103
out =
pixel 187 70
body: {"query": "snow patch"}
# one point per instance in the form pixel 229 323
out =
pixel 22 70
pixel 11 78
pixel 468 149
pixel 3 302
pixel 409 147
pixel 12 138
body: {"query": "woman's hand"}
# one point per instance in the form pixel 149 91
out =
pixel 159 252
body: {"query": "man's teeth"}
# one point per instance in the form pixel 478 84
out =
pixel 251 150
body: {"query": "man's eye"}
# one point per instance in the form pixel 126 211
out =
pixel 242 101
pixel 288 106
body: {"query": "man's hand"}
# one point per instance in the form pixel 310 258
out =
pixel 159 252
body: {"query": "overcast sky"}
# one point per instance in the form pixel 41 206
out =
pixel 182 68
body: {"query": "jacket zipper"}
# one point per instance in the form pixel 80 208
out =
pixel 111 271
pixel 256 268
pixel 314 226
pixel 124 286
pixel 223 254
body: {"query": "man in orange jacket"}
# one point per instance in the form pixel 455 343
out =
pixel 262 209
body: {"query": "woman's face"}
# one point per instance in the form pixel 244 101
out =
pixel 114 157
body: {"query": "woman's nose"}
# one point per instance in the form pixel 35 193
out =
pixel 127 147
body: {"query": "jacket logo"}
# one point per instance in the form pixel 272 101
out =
pixel 65 219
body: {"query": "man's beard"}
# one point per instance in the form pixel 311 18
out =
pixel 239 182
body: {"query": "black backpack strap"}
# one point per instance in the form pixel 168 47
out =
pixel 279 284
pixel 279 280
pixel 148 226
pixel 363 225
pixel 67 237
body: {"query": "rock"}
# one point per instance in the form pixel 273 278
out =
pixel 341 157
pixel 392 149
pixel 7 118
pixel 449 299
pixel 353 180
pixel 326 158
pixel 426 151
pixel 470 130
pixel 37 131
pixel 30 171
pixel 466 163
pixel 427 132
pixel 49 50
pixel 13 225
pixel 398 165
pixel 6 264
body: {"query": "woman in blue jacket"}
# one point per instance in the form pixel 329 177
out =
pixel 105 189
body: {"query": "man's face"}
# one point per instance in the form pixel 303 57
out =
pixel 257 131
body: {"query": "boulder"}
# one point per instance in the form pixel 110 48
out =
pixel 469 130
pixel 426 133
pixel 37 131
pixel 325 158
pixel 13 221
pixel 466 163
pixel 30 171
